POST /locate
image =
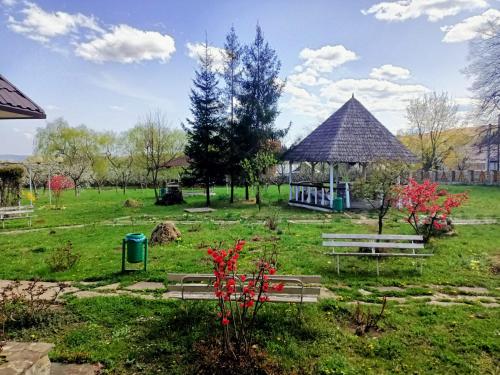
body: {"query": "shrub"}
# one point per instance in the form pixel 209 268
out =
pixel 63 258
pixel 240 298
pixel 24 306
pixel 427 209
pixel 272 221
pixel 364 321
pixel 132 203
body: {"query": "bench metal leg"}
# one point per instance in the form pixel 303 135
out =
pixel 378 268
pixel 338 265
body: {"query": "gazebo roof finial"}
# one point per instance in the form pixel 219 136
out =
pixel 353 95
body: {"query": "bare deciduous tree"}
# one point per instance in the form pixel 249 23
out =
pixel 429 117
pixel 484 69
pixel 157 143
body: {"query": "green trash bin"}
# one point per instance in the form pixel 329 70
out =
pixel 163 191
pixel 135 249
pixel 338 204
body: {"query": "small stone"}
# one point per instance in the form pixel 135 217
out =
pixel 364 292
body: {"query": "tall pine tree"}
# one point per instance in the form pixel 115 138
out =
pixel 232 133
pixel 204 147
pixel 261 89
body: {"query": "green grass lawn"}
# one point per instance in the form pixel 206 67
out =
pixel 135 336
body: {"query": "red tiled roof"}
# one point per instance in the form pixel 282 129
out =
pixel 181 161
pixel 15 105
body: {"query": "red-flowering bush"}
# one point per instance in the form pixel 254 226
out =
pixel 57 184
pixel 427 208
pixel 240 296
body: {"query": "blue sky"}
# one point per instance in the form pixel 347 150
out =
pixel 105 64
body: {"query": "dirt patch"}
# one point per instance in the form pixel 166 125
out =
pixel 495 264
pixel 164 233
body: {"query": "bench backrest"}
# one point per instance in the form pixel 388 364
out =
pixel 16 208
pixel 202 283
pixel 374 241
pixel 200 277
pixel 382 237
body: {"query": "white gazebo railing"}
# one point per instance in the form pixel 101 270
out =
pixel 320 195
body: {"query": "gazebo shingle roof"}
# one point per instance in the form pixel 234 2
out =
pixel 15 105
pixel 351 135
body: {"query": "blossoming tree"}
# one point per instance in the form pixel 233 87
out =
pixel 426 207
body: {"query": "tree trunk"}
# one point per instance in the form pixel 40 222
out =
pixel 207 191
pixel 231 199
pixel 380 224
pixel 247 195
pixel 257 196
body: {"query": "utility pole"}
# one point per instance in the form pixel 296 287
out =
pixel 488 151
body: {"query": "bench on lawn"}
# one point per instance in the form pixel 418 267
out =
pixel 297 289
pixel 16 212
pixel 395 245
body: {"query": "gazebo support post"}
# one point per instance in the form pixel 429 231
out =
pixel 331 185
pixel 290 179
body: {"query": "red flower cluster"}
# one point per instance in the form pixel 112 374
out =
pixel 425 200
pixel 239 293
pixel 58 183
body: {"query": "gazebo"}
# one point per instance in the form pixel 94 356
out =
pixel 15 105
pixel 351 136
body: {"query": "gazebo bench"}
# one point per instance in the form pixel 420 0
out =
pixel 297 289
pixel 395 245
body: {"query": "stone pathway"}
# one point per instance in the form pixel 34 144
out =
pixel 442 295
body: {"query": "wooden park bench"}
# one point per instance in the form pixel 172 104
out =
pixel 16 212
pixel 393 245
pixel 297 289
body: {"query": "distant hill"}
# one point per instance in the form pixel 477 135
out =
pixel 8 157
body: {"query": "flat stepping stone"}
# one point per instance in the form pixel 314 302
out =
pixel 145 285
pixel 91 294
pixel 326 293
pixel 114 286
pixel 396 299
pixel 445 303
pixel 389 289
pixel 473 289
pixel 72 369
pixel 25 358
pixel 364 292
pixel 199 210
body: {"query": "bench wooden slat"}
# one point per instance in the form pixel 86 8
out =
pixel 372 236
pixel 206 288
pixel 379 255
pixel 272 297
pixel 377 245
pixel 306 279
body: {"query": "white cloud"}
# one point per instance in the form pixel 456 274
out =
pixel 307 77
pixel 390 72
pixel 326 58
pixel 195 50
pixel 304 102
pixel 125 44
pixel 471 27
pixel 9 3
pixel 116 108
pixel 42 26
pixel 434 10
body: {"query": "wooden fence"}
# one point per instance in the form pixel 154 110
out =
pixel 472 177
